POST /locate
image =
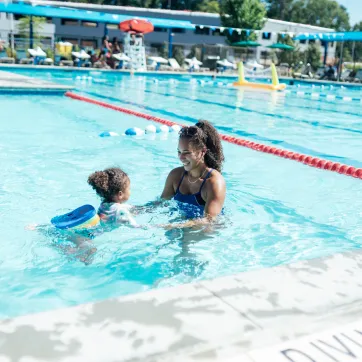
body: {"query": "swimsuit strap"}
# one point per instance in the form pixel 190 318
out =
pixel 206 177
pixel 179 184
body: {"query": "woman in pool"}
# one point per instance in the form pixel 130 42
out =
pixel 198 185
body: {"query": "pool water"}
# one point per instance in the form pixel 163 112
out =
pixel 277 211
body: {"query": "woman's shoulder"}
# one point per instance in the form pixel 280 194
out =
pixel 215 179
pixel 177 172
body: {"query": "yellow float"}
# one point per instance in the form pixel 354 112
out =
pixel 275 86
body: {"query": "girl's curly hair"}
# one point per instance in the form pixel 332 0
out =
pixel 204 135
pixel 109 182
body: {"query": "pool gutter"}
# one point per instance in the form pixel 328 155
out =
pixel 232 76
pixel 310 308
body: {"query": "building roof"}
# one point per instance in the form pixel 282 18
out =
pixel 125 8
pixel 163 11
pixel 86 15
pixel 289 23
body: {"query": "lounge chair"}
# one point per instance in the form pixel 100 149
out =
pixel 26 61
pixel 7 60
pixel 47 61
pixel 66 63
pixel 304 73
pixel 175 65
pixel 38 54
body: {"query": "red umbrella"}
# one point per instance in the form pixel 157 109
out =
pixel 136 26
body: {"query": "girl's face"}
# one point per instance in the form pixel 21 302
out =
pixel 124 195
pixel 189 157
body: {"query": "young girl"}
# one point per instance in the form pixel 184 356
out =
pixel 113 186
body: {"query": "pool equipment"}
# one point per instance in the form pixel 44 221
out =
pixel 84 217
pixel 162 129
pixel 151 129
pixel 175 128
pixel 134 131
pixel 307 160
pixel 244 83
pixel 108 134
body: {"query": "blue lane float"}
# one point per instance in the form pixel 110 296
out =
pixel 150 129
pixel 134 131
pixel 108 134
pixel 162 129
pixel 175 128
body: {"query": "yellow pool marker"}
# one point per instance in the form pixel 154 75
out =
pixel 275 86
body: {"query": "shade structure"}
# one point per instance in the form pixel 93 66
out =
pixel 158 60
pixel 139 26
pixel 330 37
pixel 254 64
pixel 38 52
pixel 81 55
pixel 280 46
pixel 225 63
pixel 193 61
pixel 121 56
pixel 86 15
pixel 246 44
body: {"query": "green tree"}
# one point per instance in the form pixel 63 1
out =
pixel 24 27
pixel 279 9
pixel 195 52
pixel 245 14
pixel 178 54
pixel 209 6
pixel 289 56
pixel 325 13
pixel 313 55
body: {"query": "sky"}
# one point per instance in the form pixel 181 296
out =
pixel 354 8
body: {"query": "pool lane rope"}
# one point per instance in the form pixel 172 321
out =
pixel 305 159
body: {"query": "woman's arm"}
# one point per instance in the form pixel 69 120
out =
pixel 169 190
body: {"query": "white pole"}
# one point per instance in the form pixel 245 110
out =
pixel 12 31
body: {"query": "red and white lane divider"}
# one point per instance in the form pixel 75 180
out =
pixel 307 160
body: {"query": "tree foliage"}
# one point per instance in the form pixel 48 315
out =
pixel 289 56
pixel 324 13
pixel 245 14
pixel 24 26
pixel 313 56
pixel 209 6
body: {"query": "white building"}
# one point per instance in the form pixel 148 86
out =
pixel 207 35
pixel 273 27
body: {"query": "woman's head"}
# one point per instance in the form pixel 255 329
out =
pixel 115 40
pixel 104 38
pixel 112 184
pixel 200 144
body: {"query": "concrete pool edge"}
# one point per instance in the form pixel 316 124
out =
pixel 244 316
pixel 12 83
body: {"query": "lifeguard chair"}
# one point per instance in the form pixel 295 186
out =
pixel 134 47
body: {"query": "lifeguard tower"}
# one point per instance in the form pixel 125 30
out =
pixel 134 47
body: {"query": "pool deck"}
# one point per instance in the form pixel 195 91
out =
pixel 310 311
pixel 11 82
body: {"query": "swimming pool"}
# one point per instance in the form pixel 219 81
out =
pixel 277 211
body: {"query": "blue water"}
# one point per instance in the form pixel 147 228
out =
pixel 277 211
